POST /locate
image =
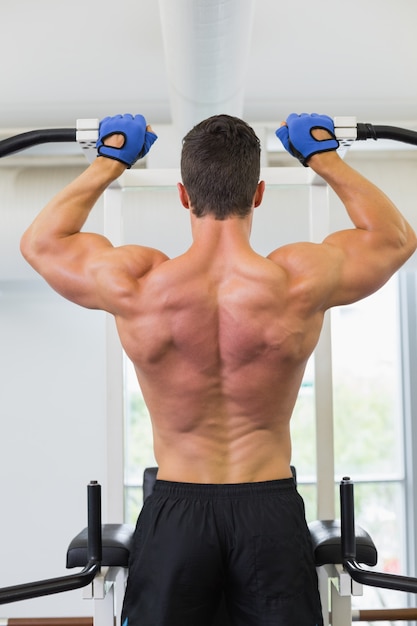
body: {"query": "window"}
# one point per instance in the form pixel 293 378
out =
pixel 368 429
pixel 368 417
pixel 138 444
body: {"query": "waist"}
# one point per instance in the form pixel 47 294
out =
pixel 169 488
pixel 252 458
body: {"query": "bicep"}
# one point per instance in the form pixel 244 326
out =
pixel 363 261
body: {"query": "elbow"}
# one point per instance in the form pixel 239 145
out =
pixel 31 248
pixel 411 240
pixel 26 246
pixel 407 243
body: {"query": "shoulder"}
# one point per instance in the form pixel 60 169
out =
pixel 303 256
pixel 312 271
pixel 143 258
pixel 117 274
pixel 132 260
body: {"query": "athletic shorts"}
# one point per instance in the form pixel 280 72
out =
pixel 197 546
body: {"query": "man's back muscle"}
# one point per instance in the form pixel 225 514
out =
pixel 220 348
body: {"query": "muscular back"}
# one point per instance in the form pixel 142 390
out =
pixel 220 346
pixel 220 336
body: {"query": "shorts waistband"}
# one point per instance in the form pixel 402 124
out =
pixel 200 490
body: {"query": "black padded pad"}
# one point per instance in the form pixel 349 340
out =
pixel 327 544
pixel 149 478
pixel 117 539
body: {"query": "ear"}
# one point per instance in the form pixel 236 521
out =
pixel 259 193
pixel 184 199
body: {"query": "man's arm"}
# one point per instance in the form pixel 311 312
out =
pixel 353 263
pixel 85 267
pixel 381 242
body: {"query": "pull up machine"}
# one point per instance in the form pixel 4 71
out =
pixel 341 548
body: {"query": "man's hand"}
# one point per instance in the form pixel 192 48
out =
pixel 302 135
pixel 132 138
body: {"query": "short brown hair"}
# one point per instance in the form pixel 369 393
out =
pixel 220 166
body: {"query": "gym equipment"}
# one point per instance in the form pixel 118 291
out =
pixel 369 131
pixel 347 130
pixel 109 546
pixel 85 133
pixel 102 550
pixel 349 549
pixel 35 137
pixel 91 566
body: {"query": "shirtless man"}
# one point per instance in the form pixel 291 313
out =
pixel 220 337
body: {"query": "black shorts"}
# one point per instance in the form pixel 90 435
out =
pixel 247 545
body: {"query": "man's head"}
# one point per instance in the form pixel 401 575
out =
pixel 220 167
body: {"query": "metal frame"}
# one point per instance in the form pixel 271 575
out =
pixel 107 591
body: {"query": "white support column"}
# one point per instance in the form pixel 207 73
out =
pixel 345 131
pixel 114 376
pixel 107 592
pixel 319 228
pixel 324 590
pixel 87 135
pixel 341 608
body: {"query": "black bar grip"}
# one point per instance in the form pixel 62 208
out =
pixel 347 519
pixel 375 131
pixel 35 137
pixel 94 549
pixel 380 579
pixel 49 586
pixel 348 542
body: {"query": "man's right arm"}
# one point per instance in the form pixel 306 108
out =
pixel 85 267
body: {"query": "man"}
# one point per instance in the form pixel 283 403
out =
pixel 220 337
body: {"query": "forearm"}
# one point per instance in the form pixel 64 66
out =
pixel 367 206
pixel 67 212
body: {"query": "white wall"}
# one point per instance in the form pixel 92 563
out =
pixel 52 408
pixel 52 435
pixel 53 361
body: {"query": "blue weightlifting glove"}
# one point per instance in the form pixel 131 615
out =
pixel 138 140
pixel 297 138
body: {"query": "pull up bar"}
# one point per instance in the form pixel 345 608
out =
pixel 369 131
pixel 347 131
pixel 35 137
pixel 85 133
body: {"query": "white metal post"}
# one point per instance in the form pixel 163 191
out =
pixel 114 376
pixel 87 135
pixel 319 228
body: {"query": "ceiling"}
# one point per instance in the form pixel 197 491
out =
pixel 63 60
